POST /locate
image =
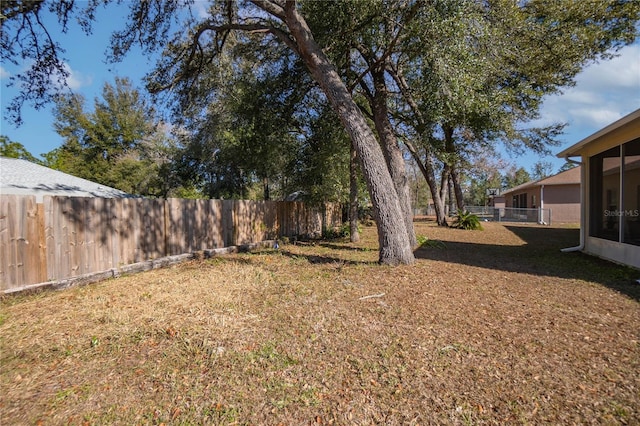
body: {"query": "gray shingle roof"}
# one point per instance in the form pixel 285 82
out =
pixel 21 177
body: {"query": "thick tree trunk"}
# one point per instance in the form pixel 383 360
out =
pixel 455 178
pixel 265 186
pixel 428 171
pixel 453 168
pixel 452 201
pixel 391 150
pixel 353 196
pixel 395 247
pixel 438 199
pixel 444 179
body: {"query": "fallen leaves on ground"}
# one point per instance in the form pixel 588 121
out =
pixel 489 327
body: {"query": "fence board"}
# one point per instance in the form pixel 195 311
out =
pixel 6 223
pixel 127 232
pixel 200 238
pixel 9 242
pixel 105 242
pixel 89 225
pixel 243 221
pixel 135 222
pixel 152 229
pixel 111 233
pixel 185 232
pixel 5 244
pixel 42 245
pixel 62 230
pixel 76 235
pixel 31 245
pixel 49 241
pixel 270 220
pixel 174 224
pixel 179 237
pixel 214 224
pixel 228 222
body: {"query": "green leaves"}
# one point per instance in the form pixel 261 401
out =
pixel 11 149
pixel 466 220
pixel 118 144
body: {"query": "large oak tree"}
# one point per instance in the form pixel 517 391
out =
pixel 196 44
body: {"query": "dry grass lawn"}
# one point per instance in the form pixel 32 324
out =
pixel 488 327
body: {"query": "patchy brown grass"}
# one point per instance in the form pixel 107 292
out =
pixel 488 327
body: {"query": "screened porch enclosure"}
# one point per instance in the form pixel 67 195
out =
pixel 614 209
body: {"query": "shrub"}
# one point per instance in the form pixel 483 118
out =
pixel 426 242
pixel 466 220
pixel 335 233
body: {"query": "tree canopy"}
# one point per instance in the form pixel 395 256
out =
pixel 119 143
pixel 12 149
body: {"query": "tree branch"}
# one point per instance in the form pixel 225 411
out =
pixel 197 50
pixel 381 61
pixel 272 7
pixel 396 74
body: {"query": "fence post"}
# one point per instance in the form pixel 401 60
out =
pixel 540 216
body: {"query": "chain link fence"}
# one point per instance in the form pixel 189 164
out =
pixel 510 214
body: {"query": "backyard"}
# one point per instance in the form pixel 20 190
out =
pixel 488 327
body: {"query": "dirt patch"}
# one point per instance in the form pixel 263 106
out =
pixel 488 327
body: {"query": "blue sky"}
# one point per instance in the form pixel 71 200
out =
pixel 604 92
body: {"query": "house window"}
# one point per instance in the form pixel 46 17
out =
pixel 523 201
pixel 614 194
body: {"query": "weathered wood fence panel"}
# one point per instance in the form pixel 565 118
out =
pixel 333 216
pixel 70 236
pixel 21 234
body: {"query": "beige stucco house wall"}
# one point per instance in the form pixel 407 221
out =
pixel 610 225
pixel 559 193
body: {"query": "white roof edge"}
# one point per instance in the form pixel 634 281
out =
pixel 570 152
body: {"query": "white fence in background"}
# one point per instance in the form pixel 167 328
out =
pixel 510 214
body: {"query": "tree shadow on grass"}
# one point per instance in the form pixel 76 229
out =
pixel 310 258
pixel 539 255
pixel 334 246
pixel 323 259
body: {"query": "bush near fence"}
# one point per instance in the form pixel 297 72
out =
pixel 71 236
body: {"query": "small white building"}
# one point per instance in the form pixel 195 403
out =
pixel 610 191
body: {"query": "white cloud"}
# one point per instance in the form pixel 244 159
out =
pixel 4 73
pixel 621 72
pixel 604 92
pixel 202 9
pixel 76 80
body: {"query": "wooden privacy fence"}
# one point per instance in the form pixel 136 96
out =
pixel 71 236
